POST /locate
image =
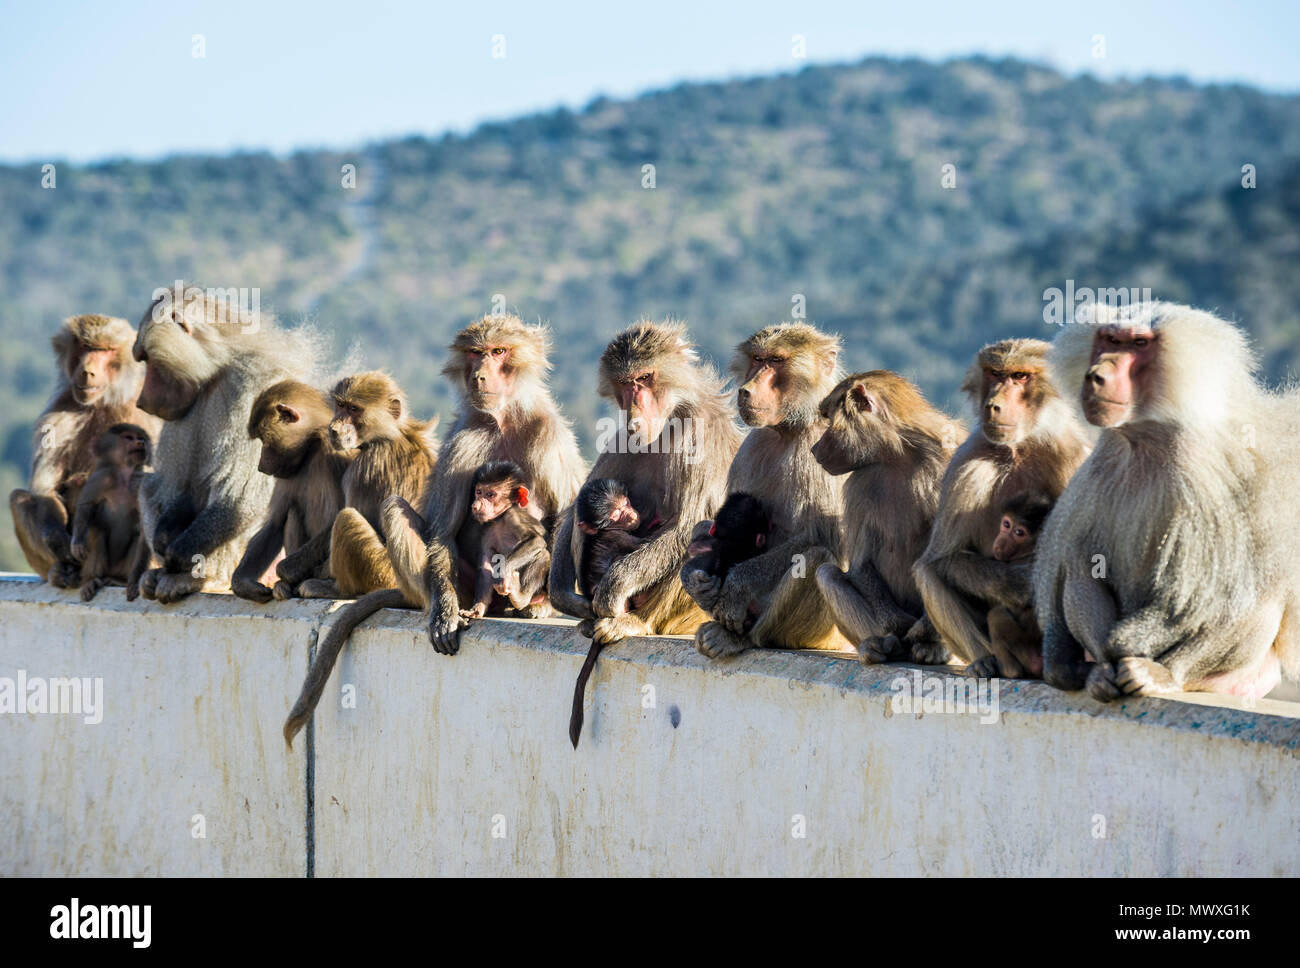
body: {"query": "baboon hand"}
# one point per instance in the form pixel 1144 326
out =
pixel 731 611
pixel 445 624
pixel 702 587
pixel 283 591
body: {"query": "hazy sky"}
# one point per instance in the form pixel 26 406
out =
pixel 86 80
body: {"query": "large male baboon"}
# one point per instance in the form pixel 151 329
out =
pixel 98 383
pixel 1028 439
pixel 206 362
pixel 783 372
pixel 1171 557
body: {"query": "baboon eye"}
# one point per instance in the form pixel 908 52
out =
pixel 498 350
pixel 1020 532
pixel 1141 341
pixel 1020 376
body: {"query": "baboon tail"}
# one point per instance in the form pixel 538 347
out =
pixel 327 654
pixel 580 691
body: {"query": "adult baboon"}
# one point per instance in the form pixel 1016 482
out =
pixel 206 362
pixel 498 365
pixel 783 372
pixel 97 385
pixel 894 446
pixel 1171 557
pixel 670 446
pixel 1028 439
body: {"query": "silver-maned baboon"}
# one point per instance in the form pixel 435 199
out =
pixel 98 383
pixel 207 359
pixel 1171 557
pixel 773 599
pixel 1028 439
pixel 894 446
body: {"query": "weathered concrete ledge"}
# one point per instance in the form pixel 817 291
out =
pixel 776 763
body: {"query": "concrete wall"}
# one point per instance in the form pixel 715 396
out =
pixel 775 763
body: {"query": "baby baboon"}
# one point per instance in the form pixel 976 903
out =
pixel 509 557
pixel 739 531
pixel 606 515
pixel 292 420
pixel 106 526
pixel 394 457
pixel 1015 641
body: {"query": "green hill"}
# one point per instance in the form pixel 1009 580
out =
pixel 825 183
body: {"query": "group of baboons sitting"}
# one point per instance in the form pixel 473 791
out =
pixel 1155 554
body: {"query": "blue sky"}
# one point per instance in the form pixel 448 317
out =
pixel 85 80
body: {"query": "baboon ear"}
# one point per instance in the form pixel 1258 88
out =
pixel 828 362
pixel 713 531
pixel 521 496
pixel 287 413
pixel 395 408
pixel 585 528
pixel 761 540
pixel 860 397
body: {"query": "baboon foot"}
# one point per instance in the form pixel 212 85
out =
pixel 1143 677
pixel 716 642
pixel 878 649
pixel 985 667
pixel 930 653
pixel 1102 682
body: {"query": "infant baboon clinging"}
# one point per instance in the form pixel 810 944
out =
pixel 507 557
pixel 106 526
pixel 738 532
pixel 612 525
pixel 1015 641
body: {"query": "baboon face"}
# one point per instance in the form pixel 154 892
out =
pixel 136 449
pixel 165 345
pixel 762 396
pixel 854 429
pixel 638 395
pixel 1014 539
pixel 1122 357
pixel 91 370
pixel 489 377
pixel 1007 413
pixel 494 498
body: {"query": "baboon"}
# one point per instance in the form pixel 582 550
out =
pixel 106 526
pixel 498 365
pixel 894 446
pixel 394 457
pixel 291 419
pixel 508 556
pixel 669 448
pixel 1171 557
pixel 96 388
pixel 1015 641
pixel 206 362
pixel 783 372
pixel 737 533
pixel 1028 439
pixel 612 525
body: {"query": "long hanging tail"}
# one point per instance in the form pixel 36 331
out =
pixel 580 691
pixel 348 619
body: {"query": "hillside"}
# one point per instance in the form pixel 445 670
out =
pixel 824 183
